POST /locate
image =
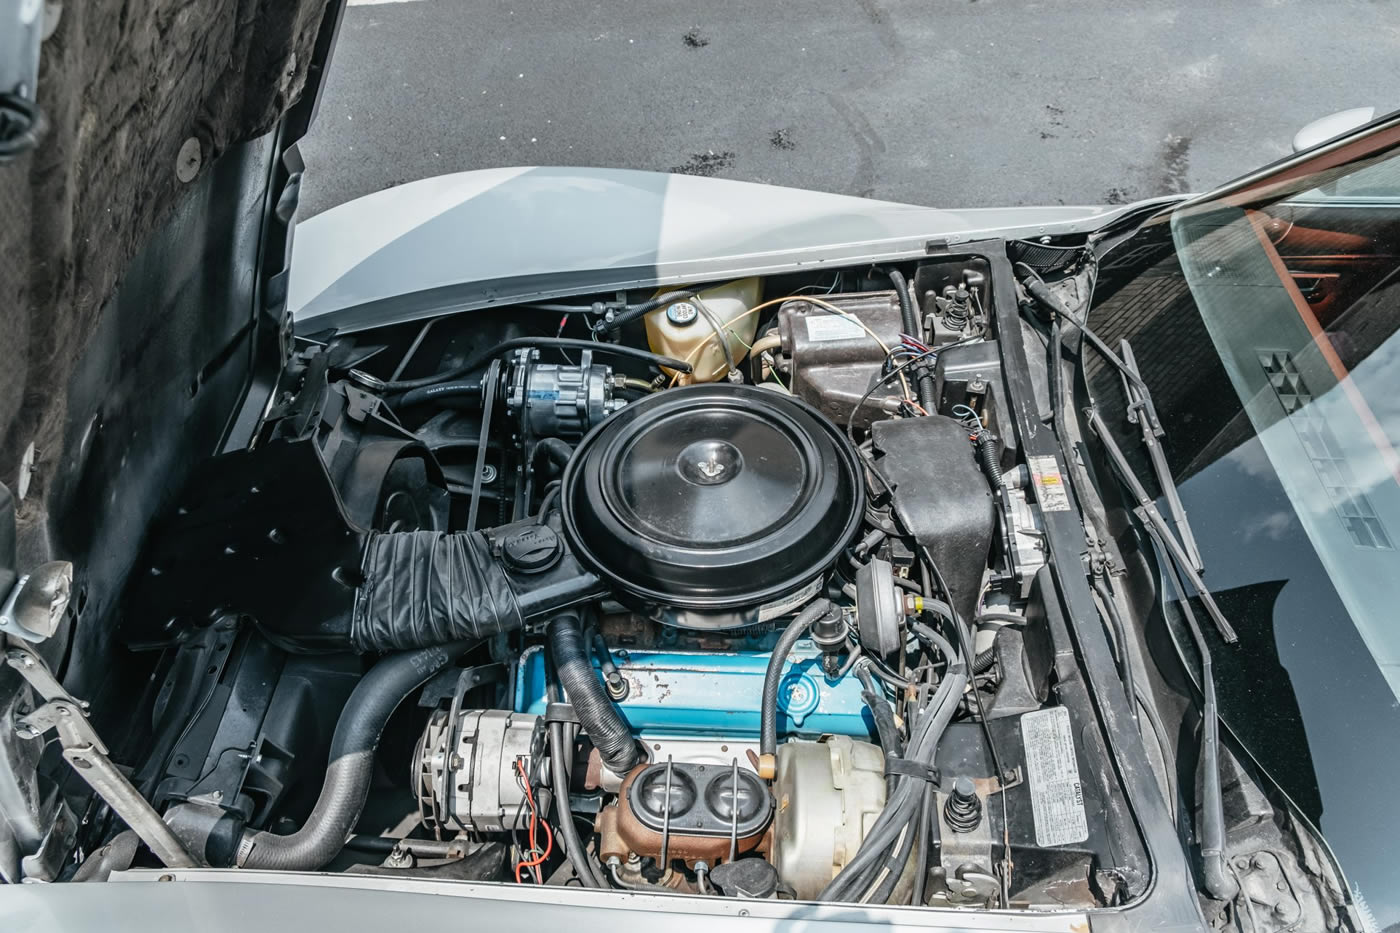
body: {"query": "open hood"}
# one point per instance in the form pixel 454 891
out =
pixel 499 235
pixel 140 100
pixel 139 241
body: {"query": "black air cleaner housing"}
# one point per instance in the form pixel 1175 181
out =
pixel 714 500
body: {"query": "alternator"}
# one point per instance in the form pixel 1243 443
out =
pixel 468 773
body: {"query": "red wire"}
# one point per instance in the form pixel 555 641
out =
pixel 535 823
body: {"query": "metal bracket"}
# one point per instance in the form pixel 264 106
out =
pixel 83 749
pixel 46 862
pixel 37 675
pixel 36 603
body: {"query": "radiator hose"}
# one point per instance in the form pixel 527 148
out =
pixel 597 715
pixel 464 392
pixel 357 733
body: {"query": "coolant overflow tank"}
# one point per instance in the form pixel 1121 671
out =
pixel 828 794
pixel 682 329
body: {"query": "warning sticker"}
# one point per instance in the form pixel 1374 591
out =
pixel 1049 484
pixel 1057 797
pixel 821 327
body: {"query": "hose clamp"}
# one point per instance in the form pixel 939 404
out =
pixel 903 767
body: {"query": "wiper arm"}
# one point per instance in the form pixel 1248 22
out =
pixel 1214 873
pixel 1147 511
pixel 1140 406
pixel 1219 884
pixel 1143 413
pixel 1217 881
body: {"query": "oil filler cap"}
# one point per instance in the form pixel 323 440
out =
pixel 746 877
pixel 531 550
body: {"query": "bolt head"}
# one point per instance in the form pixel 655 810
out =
pixel 25 732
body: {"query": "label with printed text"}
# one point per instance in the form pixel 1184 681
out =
pixel 821 328
pixel 1052 772
pixel 1049 484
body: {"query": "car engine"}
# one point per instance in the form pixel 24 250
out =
pixel 732 589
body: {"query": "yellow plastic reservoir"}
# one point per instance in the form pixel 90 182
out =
pixel 682 330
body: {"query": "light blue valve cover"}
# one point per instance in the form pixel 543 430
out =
pixel 696 693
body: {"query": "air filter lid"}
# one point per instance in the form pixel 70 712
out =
pixel 712 497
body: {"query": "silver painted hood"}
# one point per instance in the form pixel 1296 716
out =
pixel 505 235
pixel 231 901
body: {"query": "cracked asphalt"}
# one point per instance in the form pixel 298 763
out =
pixel 949 103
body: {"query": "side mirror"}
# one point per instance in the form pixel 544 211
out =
pixel 1332 126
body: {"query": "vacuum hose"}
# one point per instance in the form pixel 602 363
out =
pixel 478 360
pixel 989 453
pixel 574 846
pixel 632 312
pixel 597 715
pixel 909 318
pixel 768 713
pixel 357 734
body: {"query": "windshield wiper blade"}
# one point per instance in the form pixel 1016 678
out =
pixel 1219 884
pixel 1147 511
pixel 1143 413
pixel 1141 400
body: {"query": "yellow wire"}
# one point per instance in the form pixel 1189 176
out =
pixel 824 305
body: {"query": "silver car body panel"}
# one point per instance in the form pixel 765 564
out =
pixel 215 901
pixel 509 235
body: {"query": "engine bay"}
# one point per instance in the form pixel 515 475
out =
pixel 733 589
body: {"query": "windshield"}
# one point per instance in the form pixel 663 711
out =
pixel 1266 328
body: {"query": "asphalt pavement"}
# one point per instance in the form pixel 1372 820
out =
pixel 948 103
